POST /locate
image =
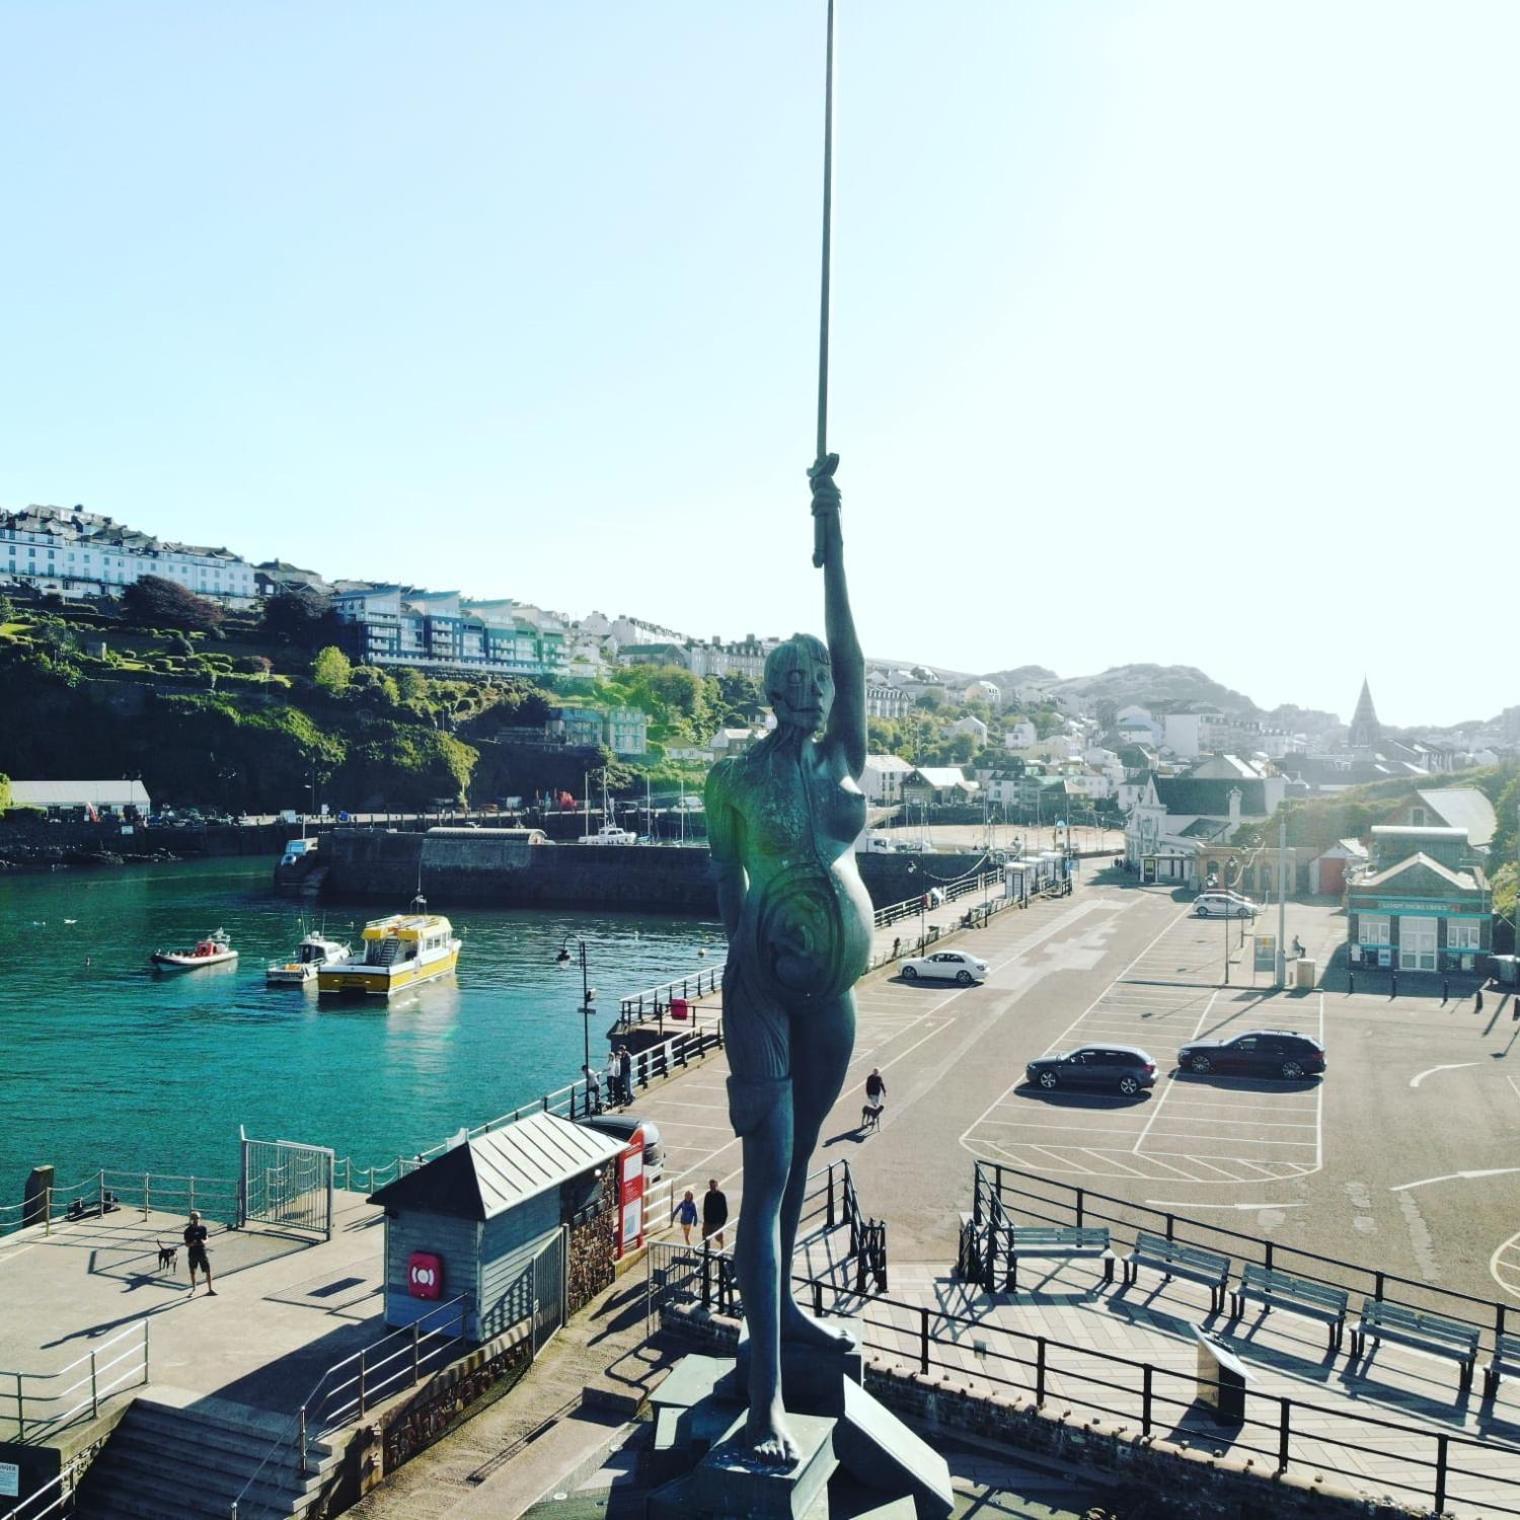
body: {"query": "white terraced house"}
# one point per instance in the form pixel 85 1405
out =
pixel 78 553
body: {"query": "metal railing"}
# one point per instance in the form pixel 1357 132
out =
pixel 655 1063
pixel 349 1388
pixel 53 1498
pixel 1155 1398
pixel 1000 1191
pixel 32 1399
pixel 654 1002
pixel 108 1189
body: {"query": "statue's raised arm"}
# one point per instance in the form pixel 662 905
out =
pixel 846 731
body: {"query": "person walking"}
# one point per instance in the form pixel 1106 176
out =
pixel 686 1215
pixel 625 1075
pixel 876 1088
pixel 612 1078
pixel 714 1213
pixel 196 1254
pixel 593 1090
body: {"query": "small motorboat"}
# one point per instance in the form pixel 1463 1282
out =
pixel 312 954
pixel 215 950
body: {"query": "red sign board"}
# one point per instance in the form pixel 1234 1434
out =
pixel 424 1275
pixel 630 1195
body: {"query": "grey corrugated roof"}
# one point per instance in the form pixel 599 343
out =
pixel 487 1176
pixel 1463 807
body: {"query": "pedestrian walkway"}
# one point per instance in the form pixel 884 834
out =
pixel 1094 1332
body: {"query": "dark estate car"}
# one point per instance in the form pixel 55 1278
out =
pixel 1257 1053
pixel 1125 1068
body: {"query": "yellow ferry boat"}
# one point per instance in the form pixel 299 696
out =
pixel 401 951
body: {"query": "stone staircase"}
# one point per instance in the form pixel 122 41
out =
pixel 167 1460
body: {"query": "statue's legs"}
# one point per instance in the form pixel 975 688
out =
pixel 756 1038
pixel 822 1042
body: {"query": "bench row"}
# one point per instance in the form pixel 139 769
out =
pixel 1378 1319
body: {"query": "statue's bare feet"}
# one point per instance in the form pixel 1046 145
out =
pixel 803 1330
pixel 766 1435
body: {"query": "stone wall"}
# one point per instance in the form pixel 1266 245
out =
pixel 592 1240
pixel 1191 1482
pixel 454 869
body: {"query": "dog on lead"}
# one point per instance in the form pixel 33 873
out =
pixel 870 1117
pixel 168 1257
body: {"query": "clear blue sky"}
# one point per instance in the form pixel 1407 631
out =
pixel 1178 332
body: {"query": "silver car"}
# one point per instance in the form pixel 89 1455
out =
pixel 946 966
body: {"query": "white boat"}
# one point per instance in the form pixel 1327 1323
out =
pixel 215 950
pixel 403 950
pixel 313 953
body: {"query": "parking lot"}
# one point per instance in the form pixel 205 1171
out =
pixel 1214 1129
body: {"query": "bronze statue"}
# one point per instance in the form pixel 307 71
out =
pixel 782 820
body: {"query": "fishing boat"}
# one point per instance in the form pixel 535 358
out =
pixel 403 950
pixel 314 952
pixel 215 950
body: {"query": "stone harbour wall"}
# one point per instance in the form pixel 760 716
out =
pixel 1191 1482
pixel 455 869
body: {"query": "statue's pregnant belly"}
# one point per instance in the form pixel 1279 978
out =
pixel 808 929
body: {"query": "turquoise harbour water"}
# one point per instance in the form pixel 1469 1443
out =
pixel 107 1064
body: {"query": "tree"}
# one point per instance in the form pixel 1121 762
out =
pixel 331 670
pixel 153 602
pixel 300 616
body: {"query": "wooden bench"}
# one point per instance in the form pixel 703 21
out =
pixel 1506 1358
pixel 1425 1332
pixel 1174 1259
pixel 1052 1241
pixel 1282 1290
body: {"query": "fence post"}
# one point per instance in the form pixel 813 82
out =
pixel 1498 1322
pixel 147 1192
pixel 192 1195
pixel 361 1385
pixel 1440 1503
pixel 1081 1205
pixel 817 1297
pixel 1269 1256
pixel 94 1389
pixel 145 1353
pixel 301 1437
pixel 47 1210
pixel 416 1362
pixel 20 1411
pixel 830 1215
pixel 1378 1291
pixel 1171 1225
pixel 102 1192
pixel 1145 1402
pixel 706 1275
pixel 923 1339
pixel 1283 1424
pixel 1039 1371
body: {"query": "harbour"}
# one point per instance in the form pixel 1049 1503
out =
pixel 110 1065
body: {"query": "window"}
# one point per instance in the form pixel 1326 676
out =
pixel 1462 934
pixel 1374 929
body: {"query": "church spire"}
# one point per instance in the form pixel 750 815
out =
pixel 1365 728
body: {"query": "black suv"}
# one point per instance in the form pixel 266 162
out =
pixel 1126 1068
pixel 1256 1053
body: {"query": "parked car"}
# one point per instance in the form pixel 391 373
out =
pixel 1225 905
pixel 1256 1053
pixel 1125 1068
pixel 946 966
pixel 622 1126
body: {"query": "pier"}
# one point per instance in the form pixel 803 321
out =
pixel 1249 1172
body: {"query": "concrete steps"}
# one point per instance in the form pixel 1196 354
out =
pixel 165 1460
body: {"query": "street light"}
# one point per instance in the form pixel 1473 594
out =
pixel 1229 869
pixel 588 992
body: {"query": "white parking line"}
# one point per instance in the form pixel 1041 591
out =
pixel 1170 1086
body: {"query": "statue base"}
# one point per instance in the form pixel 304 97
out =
pixel 857 1458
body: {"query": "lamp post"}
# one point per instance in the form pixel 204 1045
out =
pixel 588 992
pixel 1229 869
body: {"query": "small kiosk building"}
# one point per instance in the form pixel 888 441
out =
pixel 539 1192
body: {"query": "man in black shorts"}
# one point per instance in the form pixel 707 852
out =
pixel 195 1247
pixel 714 1213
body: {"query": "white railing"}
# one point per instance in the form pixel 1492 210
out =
pixel 570 1102
pixel 59 1496
pixel 109 1189
pixel 120 1362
